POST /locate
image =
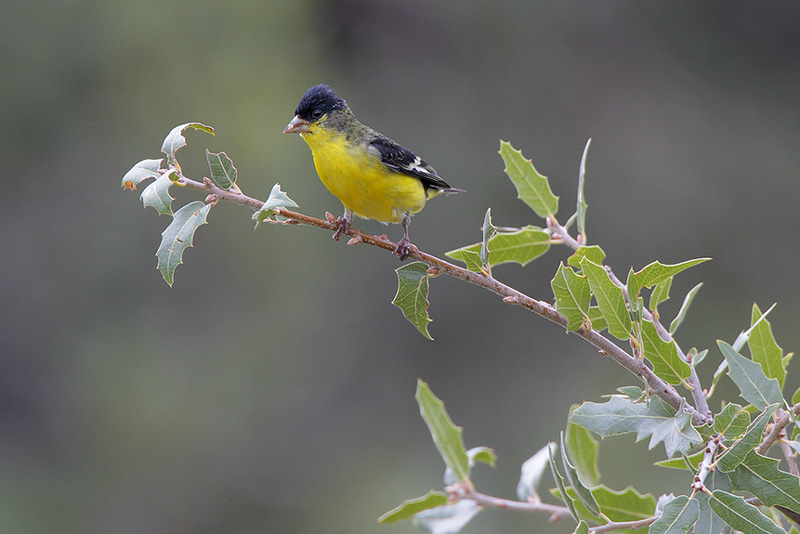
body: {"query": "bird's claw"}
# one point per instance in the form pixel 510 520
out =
pixel 342 227
pixel 404 248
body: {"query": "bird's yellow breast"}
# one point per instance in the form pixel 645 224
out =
pixel 357 177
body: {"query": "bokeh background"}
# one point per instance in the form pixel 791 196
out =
pixel 271 389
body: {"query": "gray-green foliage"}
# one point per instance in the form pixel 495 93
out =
pixel 717 448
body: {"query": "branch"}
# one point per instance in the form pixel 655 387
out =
pixel 461 491
pixel 510 295
pixel 705 466
pixel 622 525
pixel 778 429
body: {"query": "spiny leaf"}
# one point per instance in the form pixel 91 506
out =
pixel 740 515
pixel 531 472
pixel 664 356
pixel 532 188
pixel 178 236
pixel 222 170
pixel 446 436
pixel 708 522
pixel 654 418
pixel 678 516
pixel 412 295
pixel 581 491
pixel 410 507
pixel 488 232
pixel 145 169
pixel 736 453
pixel 277 199
pixel 175 139
pixel 764 349
pixel 582 206
pixel 660 294
pixel 657 272
pixel 593 252
pixel 760 476
pixel 562 488
pixel 521 246
pixel 625 505
pixel 474 455
pixel 685 462
pixel 572 296
pixel 610 299
pixel 687 301
pixel 469 255
pixel 582 448
pixel 732 421
pixel 754 385
pixel 156 195
pixel 447 519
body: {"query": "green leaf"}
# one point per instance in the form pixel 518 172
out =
pixel 657 272
pixel 596 318
pixel 664 356
pixel 660 294
pixel 610 299
pixel 144 170
pixel 686 462
pixel 626 505
pixel 582 528
pixel 531 472
pixel 532 188
pixel 562 488
pixel 593 252
pixel 521 246
pixel 696 357
pixel 446 436
pixel 488 232
pixel 741 516
pixel 708 522
pixel 222 170
pixel 582 206
pixel 678 516
pixel 156 195
pixel 752 437
pixel 687 301
pixel 178 236
pixel 474 455
pixel 175 139
pixel 764 349
pixel 654 418
pixel 732 421
pixel 277 199
pixel 582 449
pixel 447 519
pixel 412 295
pixel 754 385
pixel 760 476
pixel 583 493
pixel 469 255
pixel 572 296
pixel 411 507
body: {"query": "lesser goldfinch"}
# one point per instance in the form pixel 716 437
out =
pixel 374 177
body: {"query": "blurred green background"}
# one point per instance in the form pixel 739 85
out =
pixel 271 390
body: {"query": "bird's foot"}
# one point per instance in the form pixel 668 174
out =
pixel 404 248
pixel 342 227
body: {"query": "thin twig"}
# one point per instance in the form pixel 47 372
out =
pixel 510 295
pixel 778 428
pixel 623 525
pixel 556 512
pixel 698 484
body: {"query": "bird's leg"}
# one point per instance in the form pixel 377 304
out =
pixel 343 224
pixel 404 246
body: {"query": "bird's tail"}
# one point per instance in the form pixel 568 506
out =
pixel 453 190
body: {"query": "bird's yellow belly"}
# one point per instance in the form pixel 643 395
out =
pixel 364 185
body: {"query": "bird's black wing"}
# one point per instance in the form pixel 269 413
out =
pixel 404 161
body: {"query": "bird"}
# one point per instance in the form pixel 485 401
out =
pixel 373 176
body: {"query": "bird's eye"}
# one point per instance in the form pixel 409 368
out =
pixel 317 113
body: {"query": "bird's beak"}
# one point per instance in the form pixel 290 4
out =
pixel 297 125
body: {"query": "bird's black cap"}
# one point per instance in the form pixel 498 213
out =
pixel 320 97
